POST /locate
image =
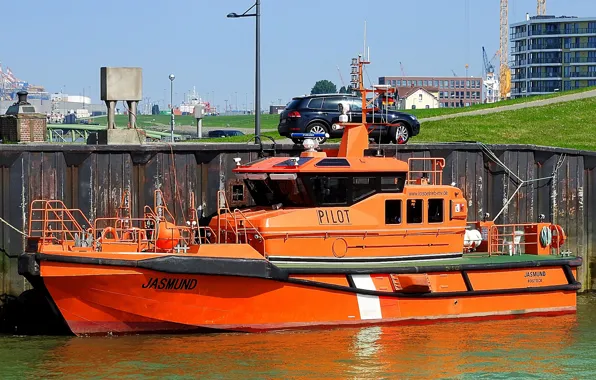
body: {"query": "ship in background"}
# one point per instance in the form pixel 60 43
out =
pixel 192 99
pixel 10 85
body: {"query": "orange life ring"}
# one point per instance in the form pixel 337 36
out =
pixel 130 234
pixel 558 236
pixel 109 230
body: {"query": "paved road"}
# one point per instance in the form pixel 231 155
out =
pixel 536 103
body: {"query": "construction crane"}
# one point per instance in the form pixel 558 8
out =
pixel 340 77
pixel 541 8
pixel 491 84
pixel 504 70
pixel 453 71
pixel 403 72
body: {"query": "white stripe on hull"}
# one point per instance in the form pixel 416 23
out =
pixel 369 305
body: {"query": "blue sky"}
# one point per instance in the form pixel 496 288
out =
pixel 301 42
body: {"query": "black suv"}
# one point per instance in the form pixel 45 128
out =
pixel 317 113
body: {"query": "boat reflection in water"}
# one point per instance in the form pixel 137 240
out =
pixel 512 348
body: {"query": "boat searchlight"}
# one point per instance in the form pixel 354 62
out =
pixel 344 108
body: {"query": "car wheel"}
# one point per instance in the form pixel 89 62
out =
pixel 399 133
pixel 317 128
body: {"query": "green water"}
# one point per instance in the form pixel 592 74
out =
pixel 542 348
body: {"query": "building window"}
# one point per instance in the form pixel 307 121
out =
pixel 452 84
pixel 409 83
pixel 446 84
pixel 425 83
pixel 427 106
pixel 419 97
pixel 414 211
pixel 435 211
pixel 436 83
pixel 420 83
pixel 413 106
pixel 393 211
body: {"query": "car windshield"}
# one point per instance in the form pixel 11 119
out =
pixel 268 192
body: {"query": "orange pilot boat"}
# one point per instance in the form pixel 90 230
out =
pixel 334 238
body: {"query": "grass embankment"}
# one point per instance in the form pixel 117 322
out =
pixel 567 125
pixel 240 121
pixel 424 113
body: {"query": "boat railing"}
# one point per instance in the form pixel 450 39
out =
pixel 432 176
pixel 52 220
pixel 233 222
pixel 144 234
pixel 520 238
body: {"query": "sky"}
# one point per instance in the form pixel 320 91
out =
pixel 67 41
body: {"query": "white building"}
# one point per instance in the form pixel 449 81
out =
pixel 418 98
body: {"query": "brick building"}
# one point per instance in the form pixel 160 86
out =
pixel 453 91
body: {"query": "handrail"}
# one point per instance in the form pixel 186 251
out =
pixel 435 174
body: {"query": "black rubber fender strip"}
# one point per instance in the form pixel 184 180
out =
pixel 553 288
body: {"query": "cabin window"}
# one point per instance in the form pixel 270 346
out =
pixel 363 187
pixel 435 211
pixel 237 193
pixel 393 211
pixel 291 192
pixel 393 183
pixel 330 191
pixel 414 211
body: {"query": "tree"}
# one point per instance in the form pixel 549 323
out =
pixel 323 87
pixel 343 90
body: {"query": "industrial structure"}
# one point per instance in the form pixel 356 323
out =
pixel 552 54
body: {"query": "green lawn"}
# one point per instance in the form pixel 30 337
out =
pixel 240 121
pixel 423 113
pixel 568 125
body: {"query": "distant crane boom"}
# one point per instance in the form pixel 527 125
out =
pixel 541 8
pixel 488 66
pixel 403 72
pixel 340 77
pixel 453 71
pixel 504 70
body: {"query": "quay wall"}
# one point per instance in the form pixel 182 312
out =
pixel 92 178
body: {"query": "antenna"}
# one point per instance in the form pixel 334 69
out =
pixel 364 51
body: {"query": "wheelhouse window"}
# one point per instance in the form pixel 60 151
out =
pixel 435 210
pixel 414 211
pixel 330 191
pixel 363 187
pixel 276 188
pixel 393 211
pixel 393 183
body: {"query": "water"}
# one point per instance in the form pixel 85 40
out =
pixel 543 348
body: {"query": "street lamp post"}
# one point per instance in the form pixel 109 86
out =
pixel 172 77
pixel 257 16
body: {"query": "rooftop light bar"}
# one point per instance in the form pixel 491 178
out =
pixel 309 135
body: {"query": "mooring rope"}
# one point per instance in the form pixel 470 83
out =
pixel 11 226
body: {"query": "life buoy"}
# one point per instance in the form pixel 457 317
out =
pixel 130 235
pixel 546 237
pixel 558 236
pixel 109 231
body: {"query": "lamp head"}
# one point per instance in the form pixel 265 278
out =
pixel 172 77
pixel 232 15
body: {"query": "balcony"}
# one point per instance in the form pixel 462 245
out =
pixel 583 75
pixel 555 75
pixel 580 46
pixel 545 61
pixel 545 47
pixel 514 36
pixel 582 60
pixel 576 31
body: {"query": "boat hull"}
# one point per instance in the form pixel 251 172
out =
pixel 96 299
